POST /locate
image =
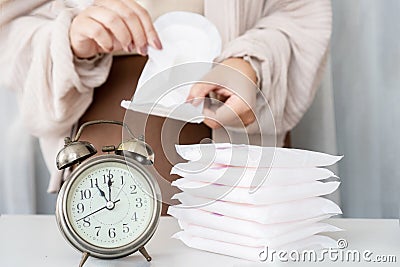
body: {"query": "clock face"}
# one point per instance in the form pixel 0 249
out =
pixel 109 205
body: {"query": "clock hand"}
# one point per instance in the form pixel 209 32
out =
pixel 90 214
pixel 109 183
pixel 101 192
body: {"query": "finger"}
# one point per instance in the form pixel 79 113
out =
pixel 145 18
pixel 147 23
pixel 233 113
pixel 117 46
pixel 242 109
pixel 136 30
pixel 223 116
pixel 224 92
pixel 131 20
pixel 210 118
pixel 211 123
pixel 199 91
pixel 96 31
pixel 113 23
pixel 221 98
pixel 126 13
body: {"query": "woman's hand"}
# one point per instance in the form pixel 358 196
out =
pixel 238 94
pixel 112 25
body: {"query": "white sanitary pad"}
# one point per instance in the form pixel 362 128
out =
pixel 274 242
pixel 267 214
pixel 162 90
pixel 255 156
pixel 239 226
pixel 315 242
pixel 263 196
pixel 243 176
pixel 238 199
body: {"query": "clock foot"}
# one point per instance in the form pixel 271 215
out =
pixel 144 253
pixel 85 256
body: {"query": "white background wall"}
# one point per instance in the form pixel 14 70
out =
pixel 366 68
pixel 366 113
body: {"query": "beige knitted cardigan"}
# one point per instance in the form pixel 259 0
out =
pixel 287 41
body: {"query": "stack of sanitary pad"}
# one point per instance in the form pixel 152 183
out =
pixel 239 199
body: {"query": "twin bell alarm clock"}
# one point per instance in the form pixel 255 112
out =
pixel 109 206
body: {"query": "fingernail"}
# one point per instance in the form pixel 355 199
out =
pixel 144 51
pixel 196 101
pixel 131 47
pixel 157 43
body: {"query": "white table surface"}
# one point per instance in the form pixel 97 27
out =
pixel 36 241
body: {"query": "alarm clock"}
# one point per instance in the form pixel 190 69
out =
pixel 109 206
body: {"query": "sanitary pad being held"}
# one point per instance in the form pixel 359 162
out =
pixel 166 79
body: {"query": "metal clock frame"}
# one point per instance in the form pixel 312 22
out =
pixel 107 253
